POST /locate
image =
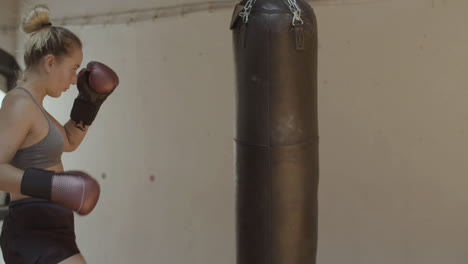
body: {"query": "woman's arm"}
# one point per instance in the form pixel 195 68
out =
pixel 72 135
pixel 15 123
pixel 75 190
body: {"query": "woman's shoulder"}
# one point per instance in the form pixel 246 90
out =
pixel 17 102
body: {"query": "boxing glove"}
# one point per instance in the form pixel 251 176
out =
pixel 95 83
pixel 74 190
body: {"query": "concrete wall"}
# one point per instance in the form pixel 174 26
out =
pixel 393 130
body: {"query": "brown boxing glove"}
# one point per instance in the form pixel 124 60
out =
pixel 95 83
pixel 75 190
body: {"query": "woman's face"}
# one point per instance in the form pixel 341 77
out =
pixel 63 73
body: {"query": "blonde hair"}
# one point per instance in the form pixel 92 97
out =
pixel 45 39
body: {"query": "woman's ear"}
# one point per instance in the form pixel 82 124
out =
pixel 49 62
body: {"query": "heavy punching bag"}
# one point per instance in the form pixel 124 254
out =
pixel 276 138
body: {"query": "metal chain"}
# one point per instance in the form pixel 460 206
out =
pixel 292 4
pixel 296 12
pixel 247 8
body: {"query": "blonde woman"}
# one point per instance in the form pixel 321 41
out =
pixel 39 227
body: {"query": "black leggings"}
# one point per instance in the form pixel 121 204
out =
pixel 37 231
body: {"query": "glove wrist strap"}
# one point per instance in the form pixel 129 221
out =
pixel 37 183
pixel 83 113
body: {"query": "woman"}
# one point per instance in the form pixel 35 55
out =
pixel 39 227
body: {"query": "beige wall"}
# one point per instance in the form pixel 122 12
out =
pixel 393 103
pixel 8 15
pixel 392 106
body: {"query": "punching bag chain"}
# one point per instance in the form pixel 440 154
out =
pixel 296 12
pixel 292 4
pixel 246 12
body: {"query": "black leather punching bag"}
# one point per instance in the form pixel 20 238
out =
pixel 276 139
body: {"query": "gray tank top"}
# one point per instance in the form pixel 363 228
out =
pixel 43 154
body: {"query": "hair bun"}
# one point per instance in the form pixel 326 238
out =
pixel 35 19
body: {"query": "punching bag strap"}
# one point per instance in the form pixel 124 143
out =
pixel 297 23
pixel 244 12
pixel 299 33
